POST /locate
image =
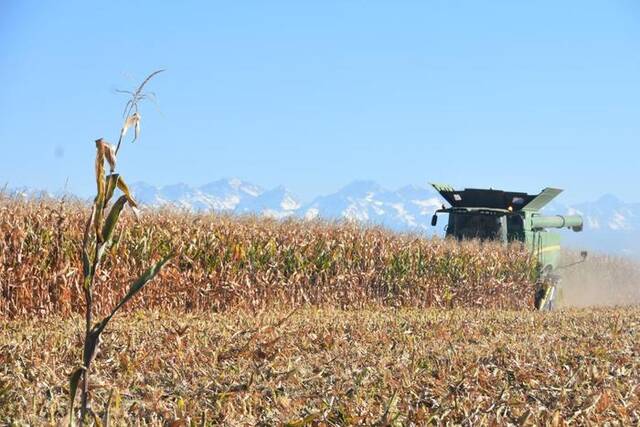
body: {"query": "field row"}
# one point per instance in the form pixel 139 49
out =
pixel 228 262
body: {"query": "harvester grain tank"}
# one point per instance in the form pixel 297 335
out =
pixel 511 216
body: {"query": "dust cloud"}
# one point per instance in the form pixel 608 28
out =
pixel 602 280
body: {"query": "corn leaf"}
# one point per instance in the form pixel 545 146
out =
pixel 91 343
pixel 112 218
pixel 93 337
pixel 137 129
pixel 131 121
pixel 97 219
pixel 125 189
pixel 141 281
pixel 100 167
pixel 87 229
pixel 74 379
pixel 136 212
pixel 102 247
pixel 110 155
pixel 100 184
pixel 86 264
pixel 110 225
pixel 112 183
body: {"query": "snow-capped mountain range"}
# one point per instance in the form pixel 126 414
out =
pixel 611 225
pixel 406 209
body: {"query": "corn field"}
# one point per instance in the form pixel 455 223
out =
pixel 331 367
pixel 264 322
pixel 227 263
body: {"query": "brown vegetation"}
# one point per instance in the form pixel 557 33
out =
pixel 226 262
pixel 194 360
pixel 334 367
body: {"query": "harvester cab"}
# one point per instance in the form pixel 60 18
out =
pixel 510 217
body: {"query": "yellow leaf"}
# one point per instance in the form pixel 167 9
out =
pixel 125 189
pixel 110 154
pixel 100 184
pixel 111 185
pixel 100 166
pixel 132 120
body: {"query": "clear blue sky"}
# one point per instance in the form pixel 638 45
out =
pixel 313 95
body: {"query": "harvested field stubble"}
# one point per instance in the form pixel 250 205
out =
pixel 402 366
pixel 229 262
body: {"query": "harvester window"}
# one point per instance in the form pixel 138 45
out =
pixel 515 227
pixel 475 226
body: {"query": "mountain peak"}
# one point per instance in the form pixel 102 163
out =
pixel 609 200
pixel 235 182
pixel 361 187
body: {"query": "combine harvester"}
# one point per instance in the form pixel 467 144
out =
pixel 509 217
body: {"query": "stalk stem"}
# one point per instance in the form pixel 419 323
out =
pixel 88 296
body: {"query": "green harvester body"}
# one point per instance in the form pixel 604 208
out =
pixel 511 217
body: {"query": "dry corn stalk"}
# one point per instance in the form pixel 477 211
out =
pixel 94 248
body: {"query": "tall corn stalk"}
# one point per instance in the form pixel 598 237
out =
pixel 98 235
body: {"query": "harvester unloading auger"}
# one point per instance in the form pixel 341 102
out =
pixel 511 216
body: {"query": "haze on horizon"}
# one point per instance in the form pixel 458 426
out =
pixel 313 96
